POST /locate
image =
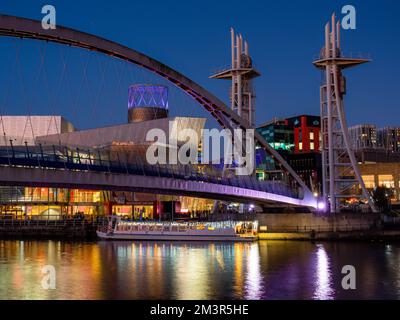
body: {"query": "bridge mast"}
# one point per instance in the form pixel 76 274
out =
pixel 241 73
pixel 340 168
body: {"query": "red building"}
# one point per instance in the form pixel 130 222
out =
pixel 306 130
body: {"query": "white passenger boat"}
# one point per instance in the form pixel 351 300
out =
pixel 118 229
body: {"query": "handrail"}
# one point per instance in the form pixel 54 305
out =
pixel 54 160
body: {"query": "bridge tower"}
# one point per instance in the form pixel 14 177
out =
pixel 341 173
pixel 241 73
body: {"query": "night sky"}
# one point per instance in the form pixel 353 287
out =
pixel 284 36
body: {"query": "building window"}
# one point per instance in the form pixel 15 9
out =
pixel 369 181
pixel 311 135
pixel 386 180
pixel 300 146
pixel 312 147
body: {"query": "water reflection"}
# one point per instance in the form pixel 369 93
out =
pixel 164 270
pixel 191 279
pixel 323 283
pixel 253 279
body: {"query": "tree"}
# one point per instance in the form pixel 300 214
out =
pixel 381 196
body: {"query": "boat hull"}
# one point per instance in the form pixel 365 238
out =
pixel 173 237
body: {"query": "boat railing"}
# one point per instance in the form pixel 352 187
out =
pixel 243 228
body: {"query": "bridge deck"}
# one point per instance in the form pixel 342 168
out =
pixel 33 167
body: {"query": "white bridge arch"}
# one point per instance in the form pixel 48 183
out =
pixel 27 28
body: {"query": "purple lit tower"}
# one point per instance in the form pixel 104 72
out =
pixel 147 102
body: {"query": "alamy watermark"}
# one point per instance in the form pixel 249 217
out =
pixel 49 277
pixel 349 20
pixel 349 280
pixel 49 20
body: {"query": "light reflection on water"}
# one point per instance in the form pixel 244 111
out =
pixel 254 277
pixel 164 270
pixel 323 283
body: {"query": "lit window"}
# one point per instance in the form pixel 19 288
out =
pixel 386 180
pixel 369 181
pixel 300 146
pixel 312 147
pixel 311 135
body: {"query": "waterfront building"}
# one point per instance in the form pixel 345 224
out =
pixel 378 154
pixel 363 136
pixel 380 169
pixel 368 136
pixel 147 109
pixel 279 134
pixel 308 165
pixel 306 130
pixel 24 130
pixel 297 139
pixel 389 139
pixel 147 102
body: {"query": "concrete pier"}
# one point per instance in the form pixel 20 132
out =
pixel 343 226
pixel 45 229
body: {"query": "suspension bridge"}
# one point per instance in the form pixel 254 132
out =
pixel 59 168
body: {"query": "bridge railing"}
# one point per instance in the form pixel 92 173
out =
pixel 95 161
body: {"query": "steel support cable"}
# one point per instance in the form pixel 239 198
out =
pixel 6 99
pixel 65 58
pixel 63 78
pixel 42 70
pixel 53 105
pixel 47 89
pixel 77 96
pixel 89 88
pixel 45 80
pixel 50 95
pixel 96 99
pixel 24 92
pixel 119 77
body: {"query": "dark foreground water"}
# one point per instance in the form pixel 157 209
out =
pixel 149 270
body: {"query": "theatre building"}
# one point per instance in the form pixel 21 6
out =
pixel 147 109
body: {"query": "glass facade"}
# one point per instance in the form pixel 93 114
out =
pixel 135 211
pixel 50 203
pixel 369 181
pixel 59 203
pixel 386 181
pixel 279 135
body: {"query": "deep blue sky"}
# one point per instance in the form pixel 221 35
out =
pixel 284 36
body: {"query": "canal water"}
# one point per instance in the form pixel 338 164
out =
pixel 163 270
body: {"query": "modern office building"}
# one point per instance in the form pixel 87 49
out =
pixel 306 129
pixel 279 134
pixel 389 139
pixel 382 175
pixel 368 136
pixel 297 139
pixel 308 165
pixel 378 154
pixel 363 136
pixel 380 169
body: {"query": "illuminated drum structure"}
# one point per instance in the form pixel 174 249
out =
pixel 147 102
